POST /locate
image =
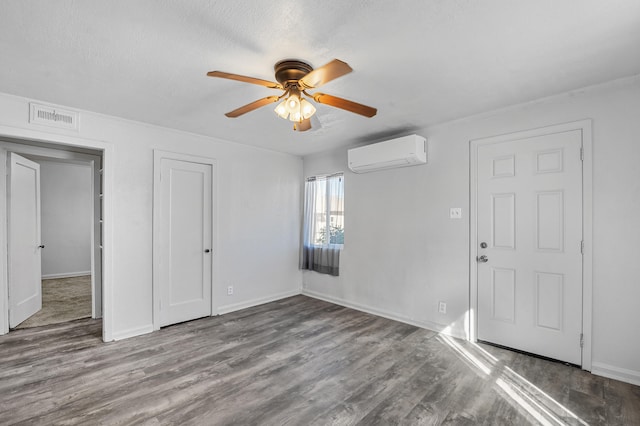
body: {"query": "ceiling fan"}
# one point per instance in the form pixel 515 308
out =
pixel 295 78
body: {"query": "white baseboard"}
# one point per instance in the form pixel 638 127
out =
pixel 132 332
pixel 617 373
pixel 225 309
pixel 65 275
pixel 439 328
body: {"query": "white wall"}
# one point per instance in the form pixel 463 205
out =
pixel 254 187
pixel 403 254
pixel 66 212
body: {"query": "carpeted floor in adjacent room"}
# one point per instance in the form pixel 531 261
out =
pixel 63 299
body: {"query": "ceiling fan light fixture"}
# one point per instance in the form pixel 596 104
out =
pixel 295 107
pixel 295 116
pixel 307 109
pixel 293 103
pixel 282 110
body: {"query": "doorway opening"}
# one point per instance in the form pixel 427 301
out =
pixel 66 213
pixel 71 241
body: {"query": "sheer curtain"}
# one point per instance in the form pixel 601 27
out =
pixel 323 224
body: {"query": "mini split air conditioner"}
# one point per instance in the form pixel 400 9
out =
pixel 401 152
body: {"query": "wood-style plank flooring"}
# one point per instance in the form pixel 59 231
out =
pixel 298 361
pixel 63 300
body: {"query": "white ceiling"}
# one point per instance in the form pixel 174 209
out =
pixel 420 62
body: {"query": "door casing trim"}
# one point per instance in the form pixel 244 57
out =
pixel 17 135
pixel 585 126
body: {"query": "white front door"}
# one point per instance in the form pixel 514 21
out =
pixel 185 240
pixel 25 276
pixel 529 234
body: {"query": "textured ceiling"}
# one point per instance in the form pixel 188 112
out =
pixel 420 62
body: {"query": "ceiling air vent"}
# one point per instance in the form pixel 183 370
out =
pixel 54 117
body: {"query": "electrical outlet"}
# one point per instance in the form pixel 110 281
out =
pixel 442 307
pixel 229 290
pixel 455 213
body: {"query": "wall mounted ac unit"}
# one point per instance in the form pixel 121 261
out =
pixel 401 152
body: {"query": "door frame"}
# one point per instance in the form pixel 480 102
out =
pixel 60 146
pixel 585 126
pixel 158 156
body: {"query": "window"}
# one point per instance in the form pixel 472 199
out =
pixel 328 212
pixel 323 232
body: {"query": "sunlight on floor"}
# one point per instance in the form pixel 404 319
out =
pixel 520 392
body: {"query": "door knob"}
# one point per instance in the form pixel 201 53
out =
pixel 483 245
pixel 482 259
pixel 41 246
pixel 207 250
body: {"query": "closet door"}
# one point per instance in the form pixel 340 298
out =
pixel 185 264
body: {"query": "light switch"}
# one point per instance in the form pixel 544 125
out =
pixel 455 213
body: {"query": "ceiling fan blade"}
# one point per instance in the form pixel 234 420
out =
pixel 325 74
pixel 245 79
pixel 304 125
pixel 354 107
pixel 253 105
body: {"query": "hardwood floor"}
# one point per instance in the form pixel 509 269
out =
pixel 63 299
pixel 298 361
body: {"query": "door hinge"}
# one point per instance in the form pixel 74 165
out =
pixel 581 340
pixel 581 154
pixel 582 247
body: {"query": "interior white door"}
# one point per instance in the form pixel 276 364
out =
pixel 25 276
pixel 529 216
pixel 185 239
